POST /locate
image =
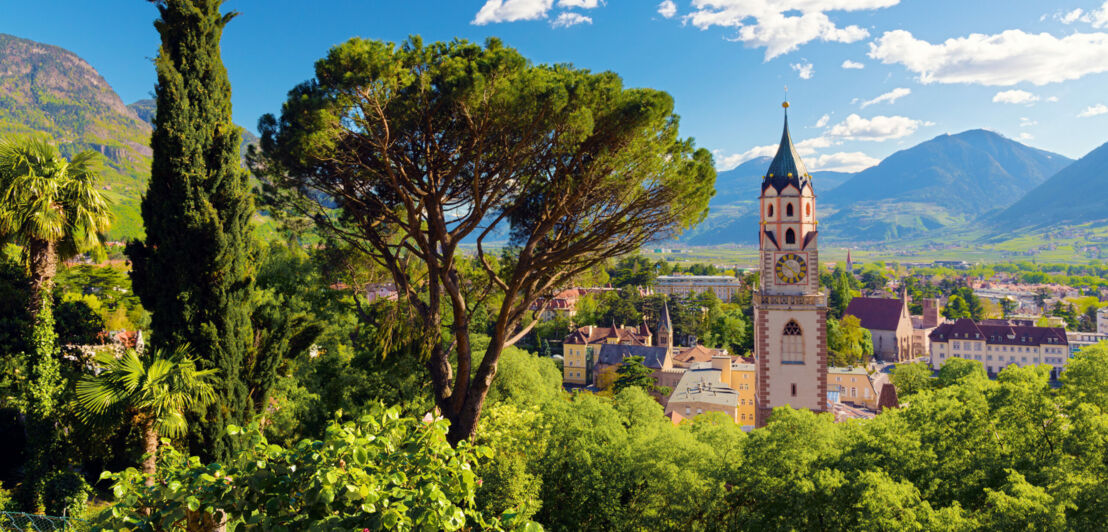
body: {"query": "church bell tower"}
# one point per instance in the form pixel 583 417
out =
pixel 790 312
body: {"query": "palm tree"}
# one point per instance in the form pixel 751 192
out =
pixel 50 206
pixel 155 389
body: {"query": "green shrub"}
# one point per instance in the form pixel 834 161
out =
pixel 66 494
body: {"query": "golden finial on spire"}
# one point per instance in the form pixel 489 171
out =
pixel 785 104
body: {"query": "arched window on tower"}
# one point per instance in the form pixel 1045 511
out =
pixel 790 236
pixel 792 344
pixel 769 212
pixel 789 210
pixel 808 209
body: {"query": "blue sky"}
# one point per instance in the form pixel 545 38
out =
pixel 1034 71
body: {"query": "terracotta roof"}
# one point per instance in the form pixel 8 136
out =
pixel 966 329
pixel 593 335
pixel 878 313
pixel 696 354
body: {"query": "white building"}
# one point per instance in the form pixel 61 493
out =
pixel 685 285
pixel 997 345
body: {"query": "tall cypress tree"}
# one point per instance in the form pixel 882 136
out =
pixel 194 270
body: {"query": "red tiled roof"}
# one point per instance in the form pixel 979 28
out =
pixel 993 334
pixel 878 313
pixel 592 335
pixel 696 354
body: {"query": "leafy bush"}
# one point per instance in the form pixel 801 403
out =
pixel 383 472
pixel 66 494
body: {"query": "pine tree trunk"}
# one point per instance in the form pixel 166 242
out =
pixel 150 448
pixel 44 266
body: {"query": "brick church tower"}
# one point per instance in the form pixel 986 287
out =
pixel 790 312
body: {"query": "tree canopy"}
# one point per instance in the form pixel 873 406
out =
pixel 404 152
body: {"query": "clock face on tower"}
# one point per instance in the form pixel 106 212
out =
pixel 791 268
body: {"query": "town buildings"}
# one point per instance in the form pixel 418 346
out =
pixel 923 324
pixel 790 312
pixel 722 385
pixel 998 344
pixel 591 354
pixel 854 386
pixel 890 324
pixel 724 287
pixel 1081 340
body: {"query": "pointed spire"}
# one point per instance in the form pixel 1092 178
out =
pixel 786 168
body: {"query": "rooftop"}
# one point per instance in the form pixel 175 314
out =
pixel 704 386
pixel 967 329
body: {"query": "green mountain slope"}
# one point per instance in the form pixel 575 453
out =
pixel 1076 195
pixel 944 182
pixel 49 90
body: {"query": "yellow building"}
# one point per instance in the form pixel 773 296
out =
pixel 581 349
pixel 723 385
pixel 854 386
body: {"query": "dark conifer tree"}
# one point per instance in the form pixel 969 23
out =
pixel 195 271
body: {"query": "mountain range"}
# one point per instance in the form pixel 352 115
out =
pixel 976 178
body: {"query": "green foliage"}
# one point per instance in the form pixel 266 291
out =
pixel 195 270
pixel 633 271
pixel 1085 377
pixel 633 374
pixel 514 116
pixel 848 343
pixel 728 330
pixel 40 402
pixel 911 379
pixel 160 387
pixel 66 494
pixel 76 323
pixel 841 285
pixel 384 472
pixel 963 303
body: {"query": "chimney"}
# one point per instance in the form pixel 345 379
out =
pixel 723 364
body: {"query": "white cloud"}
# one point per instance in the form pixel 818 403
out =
pixel 841 162
pixel 1052 99
pixel 853 65
pixel 512 10
pixel 727 162
pixel 1026 136
pixel 804 70
pixel 583 4
pixel 667 8
pixel 568 19
pixel 1007 58
pixel 781 26
pixel 1093 110
pixel 823 120
pixel 878 128
pixel 1097 17
pixel 1027 122
pixel 1015 96
pixel 890 97
pixel 1071 17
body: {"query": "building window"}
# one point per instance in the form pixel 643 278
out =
pixel 792 344
pixel 794 389
pixel 686 411
pixel 789 210
pixel 790 236
pixel 808 209
pixel 769 212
